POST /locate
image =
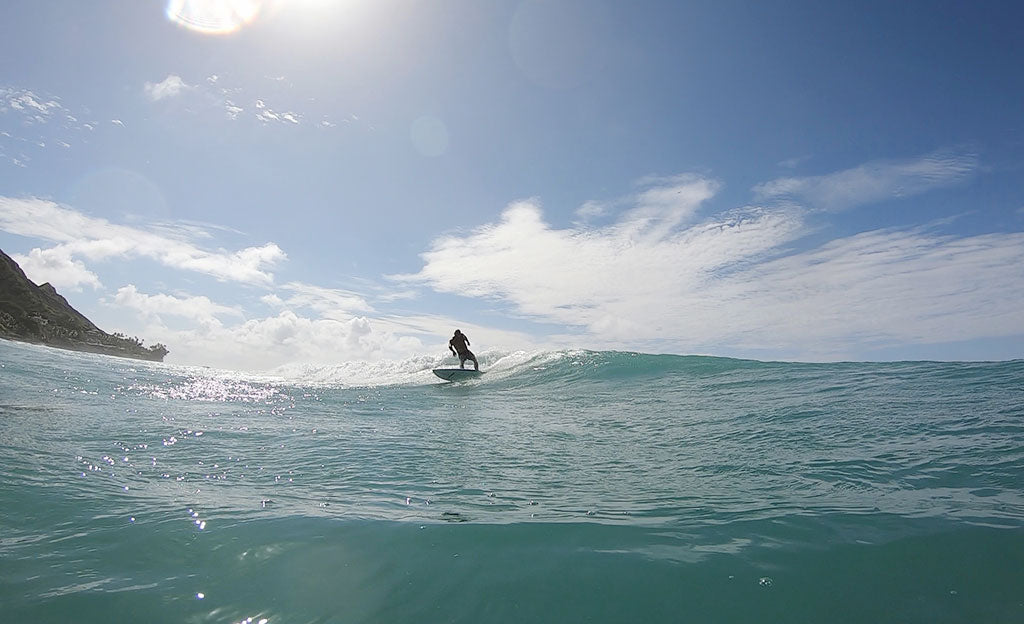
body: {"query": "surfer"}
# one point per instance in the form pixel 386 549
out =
pixel 459 345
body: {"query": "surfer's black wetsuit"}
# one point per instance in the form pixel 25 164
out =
pixel 459 345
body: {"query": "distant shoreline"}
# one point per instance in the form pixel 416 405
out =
pixel 145 354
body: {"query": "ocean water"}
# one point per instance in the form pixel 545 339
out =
pixel 560 487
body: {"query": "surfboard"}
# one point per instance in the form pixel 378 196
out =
pixel 457 374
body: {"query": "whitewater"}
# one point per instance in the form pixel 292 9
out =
pixel 568 486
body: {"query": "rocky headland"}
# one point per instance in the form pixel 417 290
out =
pixel 38 314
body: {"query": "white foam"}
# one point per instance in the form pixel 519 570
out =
pixel 410 371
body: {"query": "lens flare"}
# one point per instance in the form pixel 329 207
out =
pixel 214 17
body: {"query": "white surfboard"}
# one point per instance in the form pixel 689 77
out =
pixel 457 374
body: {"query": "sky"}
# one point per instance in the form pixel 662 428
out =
pixel 258 183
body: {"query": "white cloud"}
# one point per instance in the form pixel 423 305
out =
pixel 733 281
pixel 169 87
pixel 601 277
pixel 262 344
pixel 396 295
pixel 266 114
pixel 660 206
pixel 329 302
pixel 591 209
pixel 224 98
pixel 30 113
pixel 290 338
pixel 58 268
pixel 199 309
pixel 792 163
pixel 876 288
pixel 232 110
pixel 666 204
pixel 30 106
pixel 872 182
pixel 80 235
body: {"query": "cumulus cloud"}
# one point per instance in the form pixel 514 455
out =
pixel 289 337
pixel 213 336
pixel 734 280
pixel 79 235
pixel 872 182
pixel 265 343
pixel 58 268
pixel 169 87
pixel 199 309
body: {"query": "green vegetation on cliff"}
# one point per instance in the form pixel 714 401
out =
pixel 38 314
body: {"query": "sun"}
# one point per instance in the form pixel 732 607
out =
pixel 213 17
pixel 220 17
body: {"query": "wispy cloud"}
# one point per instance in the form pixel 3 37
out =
pixel 328 302
pixel 872 182
pixel 232 110
pixel 875 289
pixel 29 122
pixel 665 204
pixel 736 280
pixel 169 87
pixel 267 114
pixel 79 235
pixel 609 279
pixel 29 106
pixel 236 103
pixel 792 163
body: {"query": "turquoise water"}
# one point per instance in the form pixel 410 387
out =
pixel 559 487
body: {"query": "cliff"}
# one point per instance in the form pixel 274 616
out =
pixel 39 314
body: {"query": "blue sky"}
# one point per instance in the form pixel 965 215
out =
pixel 256 183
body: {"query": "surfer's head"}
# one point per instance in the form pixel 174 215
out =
pixel 458 332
